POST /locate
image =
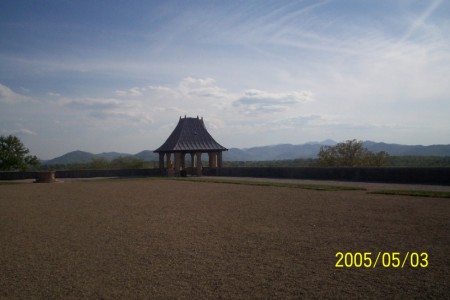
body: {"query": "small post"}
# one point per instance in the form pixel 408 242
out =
pixel 46 177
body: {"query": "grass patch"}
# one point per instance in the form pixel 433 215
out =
pixel 418 193
pixel 113 179
pixel 11 182
pixel 317 187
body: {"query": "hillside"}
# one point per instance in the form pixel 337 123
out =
pixel 73 157
pixel 262 153
pixel 415 150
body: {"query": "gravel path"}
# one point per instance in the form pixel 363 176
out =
pixel 169 239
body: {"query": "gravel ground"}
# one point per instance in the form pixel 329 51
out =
pixel 171 239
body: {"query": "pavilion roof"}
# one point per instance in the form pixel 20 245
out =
pixel 190 135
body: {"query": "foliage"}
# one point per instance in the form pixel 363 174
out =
pixel 419 161
pixel 122 162
pixel 300 162
pixel 351 153
pixel 127 162
pixel 391 161
pixel 14 155
pixel 415 193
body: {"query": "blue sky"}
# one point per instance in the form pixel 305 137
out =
pixel 117 75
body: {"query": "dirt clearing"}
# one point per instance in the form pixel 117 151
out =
pixel 164 238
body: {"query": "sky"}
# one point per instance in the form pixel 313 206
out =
pixel 116 75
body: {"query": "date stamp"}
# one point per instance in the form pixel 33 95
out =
pixel 381 259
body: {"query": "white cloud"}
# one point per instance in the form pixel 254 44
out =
pixel 110 108
pixel 262 101
pixel 8 96
pixel 133 92
pixel 420 21
pixel 19 132
pixel 161 89
pixel 190 87
pixel 294 122
pixel 95 103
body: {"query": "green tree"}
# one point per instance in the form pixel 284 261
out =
pixel 98 163
pixel 14 155
pixel 351 153
pixel 127 162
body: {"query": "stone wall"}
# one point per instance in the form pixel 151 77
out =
pixel 17 175
pixel 389 175
pixel 83 174
pixel 107 173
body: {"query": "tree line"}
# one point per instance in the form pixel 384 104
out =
pixel 15 156
pixel 121 162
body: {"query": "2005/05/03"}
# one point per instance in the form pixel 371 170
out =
pixel 387 259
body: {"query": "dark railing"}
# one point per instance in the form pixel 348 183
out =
pixel 389 175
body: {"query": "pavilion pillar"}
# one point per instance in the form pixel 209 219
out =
pixel 177 164
pixel 183 161
pixel 161 161
pixel 169 166
pixel 216 157
pixel 168 161
pixel 192 160
pixel 219 159
pixel 211 159
pixel 199 163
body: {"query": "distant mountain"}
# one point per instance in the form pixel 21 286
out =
pixel 111 155
pixel 147 155
pixel 327 142
pixel 276 152
pixel 272 152
pixel 73 157
pixel 236 154
pixel 82 157
pixel 311 149
pixel 401 150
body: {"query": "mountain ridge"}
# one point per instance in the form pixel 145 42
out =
pixel 270 152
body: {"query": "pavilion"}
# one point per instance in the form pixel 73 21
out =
pixel 189 137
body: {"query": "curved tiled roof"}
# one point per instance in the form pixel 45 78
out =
pixel 190 135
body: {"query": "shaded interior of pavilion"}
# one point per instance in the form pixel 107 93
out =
pixel 190 163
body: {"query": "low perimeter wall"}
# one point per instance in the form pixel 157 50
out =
pixel 439 176
pixel 83 174
pixel 107 173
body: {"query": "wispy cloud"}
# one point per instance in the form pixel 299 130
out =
pixel 420 21
pixel 262 101
pixel 109 108
pixel 294 122
pixel 8 96
pixel 191 87
pixel 133 92
pixel 19 132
